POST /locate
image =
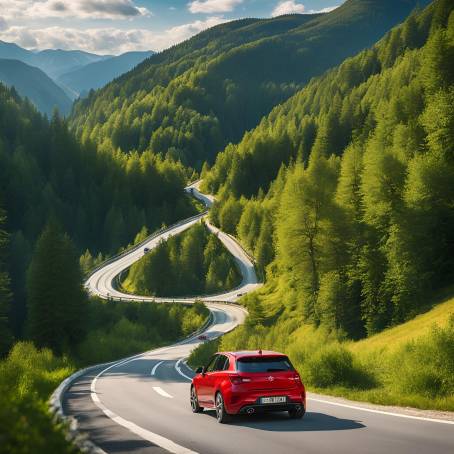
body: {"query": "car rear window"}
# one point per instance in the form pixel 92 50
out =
pixel 264 364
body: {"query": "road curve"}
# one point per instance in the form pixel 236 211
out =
pixel 141 404
pixel 102 282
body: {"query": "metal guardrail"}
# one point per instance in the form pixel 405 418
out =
pixel 138 246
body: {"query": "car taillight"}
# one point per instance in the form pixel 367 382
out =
pixel 296 378
pixel 237 380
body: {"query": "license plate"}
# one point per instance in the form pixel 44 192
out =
pixel 273 400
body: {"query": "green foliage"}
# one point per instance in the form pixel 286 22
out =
pixel 6 338
pixel 195 263
pixel 27 377
pixel 348 180
pixel 56 301
pixel 334 365
pixel 116 330
pixel 426 366
pixel 201 355
pixel 191 100
pixel 102 198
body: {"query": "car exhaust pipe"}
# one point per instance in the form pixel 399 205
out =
pixel 250 411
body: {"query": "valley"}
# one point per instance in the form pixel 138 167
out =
pixel 275 183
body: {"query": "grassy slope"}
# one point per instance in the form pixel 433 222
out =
pixel 395 337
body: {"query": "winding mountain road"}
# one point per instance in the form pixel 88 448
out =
pixel 141 404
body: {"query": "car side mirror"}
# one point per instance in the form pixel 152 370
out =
pixel 200 370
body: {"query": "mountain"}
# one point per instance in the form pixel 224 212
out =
pixel 15 52
pixel 96 75
pixel 34 84
pixel 54 62
pixel 344 193
pixel 188 102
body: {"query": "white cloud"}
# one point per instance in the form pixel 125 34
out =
pixel 105 40
pixel 328 9
pixel 182 32
pixel 3 24
pixel 77 9
pixel 288 7
pixel 212 6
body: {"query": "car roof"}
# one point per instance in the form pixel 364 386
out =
pixel 248 353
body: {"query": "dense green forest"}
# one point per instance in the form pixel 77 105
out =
pixel 191 100
pixel 102 199
pixel 193 263
pixel 355 173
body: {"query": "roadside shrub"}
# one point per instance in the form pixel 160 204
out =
pixel 26 427
pixel 200 355
pixel 426 367
pixel 28 370
pixel 27 377
pixel 333 365
pixel 123 339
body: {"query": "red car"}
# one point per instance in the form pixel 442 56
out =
pixel 248 382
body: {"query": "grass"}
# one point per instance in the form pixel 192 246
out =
pixel 393 338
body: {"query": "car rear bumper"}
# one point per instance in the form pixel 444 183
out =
pixel 263 408
pixel 241 403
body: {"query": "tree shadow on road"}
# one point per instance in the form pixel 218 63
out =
pixel 280 422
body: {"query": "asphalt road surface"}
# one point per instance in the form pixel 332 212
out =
pixel 141 404
pixel 101 283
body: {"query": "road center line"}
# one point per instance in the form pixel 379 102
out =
pixel 162 392
pixel 382 412
pixel 153 371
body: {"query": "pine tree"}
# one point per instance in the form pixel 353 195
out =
pixel 264 249
pixel 56 302
pixel 6 337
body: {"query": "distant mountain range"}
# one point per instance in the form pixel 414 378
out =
pixel 36 85
pixel 68 74
pixel 97 74
pixel 54 62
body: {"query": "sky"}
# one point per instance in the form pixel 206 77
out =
pixel 117 26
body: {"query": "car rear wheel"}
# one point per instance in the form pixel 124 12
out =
pixel 296 413
pixel 221 414
pixel 196 408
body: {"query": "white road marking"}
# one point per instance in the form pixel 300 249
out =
pixel 159 440
pixel 162 392
pixel 153 371
pixel 177 368
pixel 382 412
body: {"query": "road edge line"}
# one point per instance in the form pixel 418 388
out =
pixel 381 412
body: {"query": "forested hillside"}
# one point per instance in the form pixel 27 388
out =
pixel 191 100
pixel 355 173
pixel 101 199
pixel 195 263
pixel 34 84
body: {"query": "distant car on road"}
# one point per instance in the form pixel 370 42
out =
pixel 248 382
pixel 203 337
pixel 146 250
